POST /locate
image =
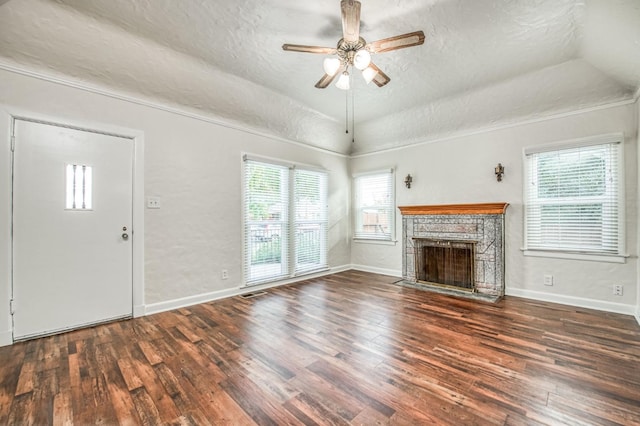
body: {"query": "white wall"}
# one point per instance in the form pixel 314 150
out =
pixel 638 206
pixel 194 166
pixel 460 170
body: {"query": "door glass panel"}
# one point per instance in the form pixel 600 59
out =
pixel 79 188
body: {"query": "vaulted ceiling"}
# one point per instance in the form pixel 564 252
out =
pixel 484 63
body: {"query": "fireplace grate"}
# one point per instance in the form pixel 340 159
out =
pixel 446 263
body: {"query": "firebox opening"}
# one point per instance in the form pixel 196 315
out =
pixel 446 263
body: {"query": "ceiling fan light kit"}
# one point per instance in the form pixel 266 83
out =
pixel 331 66
pixel 343 82
pixel 353 51
pixel 369 74
pixel 361 59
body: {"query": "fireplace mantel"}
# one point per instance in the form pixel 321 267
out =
pixel 448 209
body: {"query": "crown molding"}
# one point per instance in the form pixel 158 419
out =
pixel 6 66
pixel 489 129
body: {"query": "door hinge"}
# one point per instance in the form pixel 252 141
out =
pixel 12 306
pixel 13 143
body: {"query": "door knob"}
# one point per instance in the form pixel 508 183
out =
pixel 125 236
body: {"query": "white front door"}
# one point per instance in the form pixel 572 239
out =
pixel 72 236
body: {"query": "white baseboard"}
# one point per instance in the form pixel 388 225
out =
pixel 336 269
pixel 374 270
pixel 168 305
pixel 138 311
pixel 619 308
pixel 6 338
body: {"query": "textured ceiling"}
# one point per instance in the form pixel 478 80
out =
pixel 484 62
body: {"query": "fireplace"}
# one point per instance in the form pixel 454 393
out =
pixel 459 247
pixel 445 263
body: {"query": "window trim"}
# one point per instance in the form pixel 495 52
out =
pixel 611 258
pixel 391 240
pixel 612 138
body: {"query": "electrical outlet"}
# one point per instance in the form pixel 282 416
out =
pixel 618 289
pixel 153 202
pixel 548 280
pixel 225 274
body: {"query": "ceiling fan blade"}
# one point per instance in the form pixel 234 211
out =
pixel 309 49
pixel 350 20
pixel 380 78
pixel 325 80
pixel 415 38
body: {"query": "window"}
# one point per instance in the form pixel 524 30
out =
pixel 285 221
pixel 574 198
pixel 78 187
pixel 374 206
pixel 310 220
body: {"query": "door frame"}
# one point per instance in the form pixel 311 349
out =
pixel 8 115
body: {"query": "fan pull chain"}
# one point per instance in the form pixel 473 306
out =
pixel 353 116
pixel 346 111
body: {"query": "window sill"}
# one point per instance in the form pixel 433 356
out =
pixel 576 256
pixel 379 242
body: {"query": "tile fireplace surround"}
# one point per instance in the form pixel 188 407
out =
pixel 482 224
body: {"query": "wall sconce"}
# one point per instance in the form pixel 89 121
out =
pixel 499 172
pixel 408 180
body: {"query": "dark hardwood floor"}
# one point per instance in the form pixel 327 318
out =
pixel 350 348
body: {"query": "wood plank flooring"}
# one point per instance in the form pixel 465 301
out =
pixel 350 348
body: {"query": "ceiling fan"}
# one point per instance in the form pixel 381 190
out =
pixel 353 51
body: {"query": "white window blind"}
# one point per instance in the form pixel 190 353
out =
pixel 285 221
pixel 310 206
pixel 573 199
pixel 266 221
pixel 374 206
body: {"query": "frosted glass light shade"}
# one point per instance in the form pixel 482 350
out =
pixel 369 74
pixel 343 81
pixel 331 66
pixel 362 59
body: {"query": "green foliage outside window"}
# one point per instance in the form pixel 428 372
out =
pixel 265 190
pixel 571 175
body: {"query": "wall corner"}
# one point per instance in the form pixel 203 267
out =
pixel 6 338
